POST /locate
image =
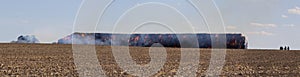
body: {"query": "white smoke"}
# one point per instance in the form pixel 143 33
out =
pixel 26 39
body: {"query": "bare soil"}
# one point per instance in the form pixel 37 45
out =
pixel 39 60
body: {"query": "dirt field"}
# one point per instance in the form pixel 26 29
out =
pixel 57 60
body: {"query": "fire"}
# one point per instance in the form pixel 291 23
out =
pixel 82 35
pixel 136 38
pixel 168 40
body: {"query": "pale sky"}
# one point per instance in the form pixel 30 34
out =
pixel 265 23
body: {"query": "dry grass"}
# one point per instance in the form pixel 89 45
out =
pixel 57 60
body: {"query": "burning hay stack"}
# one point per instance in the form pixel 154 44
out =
pixel 26 39
pixel 234 41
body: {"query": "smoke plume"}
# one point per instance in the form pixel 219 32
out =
pixel 236 41
pixel 26 39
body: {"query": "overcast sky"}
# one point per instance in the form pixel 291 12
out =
pixel 265 23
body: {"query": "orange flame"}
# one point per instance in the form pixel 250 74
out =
pixel 82 35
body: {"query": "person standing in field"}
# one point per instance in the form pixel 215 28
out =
pixel 285 47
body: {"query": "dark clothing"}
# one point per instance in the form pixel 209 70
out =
pixel 281 48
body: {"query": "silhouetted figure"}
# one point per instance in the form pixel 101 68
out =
pixel 281 48
pixel 285 47
pixel 288 48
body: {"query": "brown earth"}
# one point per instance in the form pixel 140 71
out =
pixel 19 60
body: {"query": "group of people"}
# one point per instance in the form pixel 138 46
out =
pixel 285 48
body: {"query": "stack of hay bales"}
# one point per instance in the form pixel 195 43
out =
pixel 234 41
pixel 26 39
